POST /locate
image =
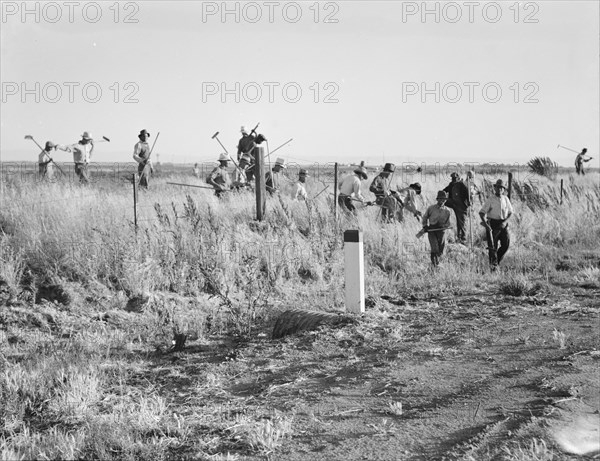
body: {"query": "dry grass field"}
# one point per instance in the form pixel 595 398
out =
pixel 156 343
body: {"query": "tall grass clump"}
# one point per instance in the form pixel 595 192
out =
pixel 543 166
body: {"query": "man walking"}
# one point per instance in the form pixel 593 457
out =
pixel 219 177
pixel 459 201
pixel 350 189
pixel 497 209
pixel 141 154
pixel 46 169
pixel 436 221
pixel 581 157
pixel 299 192
pixel 82 154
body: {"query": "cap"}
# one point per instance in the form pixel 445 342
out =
pixel 86 135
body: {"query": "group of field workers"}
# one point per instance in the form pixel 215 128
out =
pixel 245 169
pixel 457 195
pixel 82 154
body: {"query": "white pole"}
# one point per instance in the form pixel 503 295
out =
pixel 354 271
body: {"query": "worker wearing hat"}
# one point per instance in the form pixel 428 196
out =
pixel 46 170
pixel 240 175
pixel 380 186
pixel 579 159
pixel 246 143
pixel 272 178
pixel 219 177
pixel 494 214
pixel 436 221
pixel 82 154
pixel 141 154
pixel 459 200
pixel 410 200
pixel 350 189
pixel 299 192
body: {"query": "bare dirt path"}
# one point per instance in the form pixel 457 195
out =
pixel 466 377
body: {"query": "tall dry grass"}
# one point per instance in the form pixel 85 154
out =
pixel 68 398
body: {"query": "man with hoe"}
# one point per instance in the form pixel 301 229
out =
pixel 410 201
pixel 82 154
pixel 497 209
pixel 581 157
pixel 459 200
pixel 383 196
pixel 350 189
pixel 141 154
pixel 219 177
pixel 436 221
pixel 246 143
pixel 46 169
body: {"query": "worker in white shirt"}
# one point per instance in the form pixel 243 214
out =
pixel 497 209
pixel 82 154
pixel 350 189
pixel 299 192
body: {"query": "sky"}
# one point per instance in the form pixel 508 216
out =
pixel 379 81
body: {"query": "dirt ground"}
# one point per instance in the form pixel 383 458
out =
pixel 476 376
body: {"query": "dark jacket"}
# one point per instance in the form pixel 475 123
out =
pixel 458 195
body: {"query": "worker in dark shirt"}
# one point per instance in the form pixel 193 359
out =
pixel 459 201
pixel 246 143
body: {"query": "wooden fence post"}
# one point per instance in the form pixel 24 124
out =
pixel 509 184
pixel 135 181
pixel 561 191
pixel 259 176
pixel 335 189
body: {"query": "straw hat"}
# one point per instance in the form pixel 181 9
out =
pixel 86 135
pixel 361 171
pixel 500 183
pixel 223 158
pixel 304 173
pixel 280 162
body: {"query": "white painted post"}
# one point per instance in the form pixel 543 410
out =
pixel 354 271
